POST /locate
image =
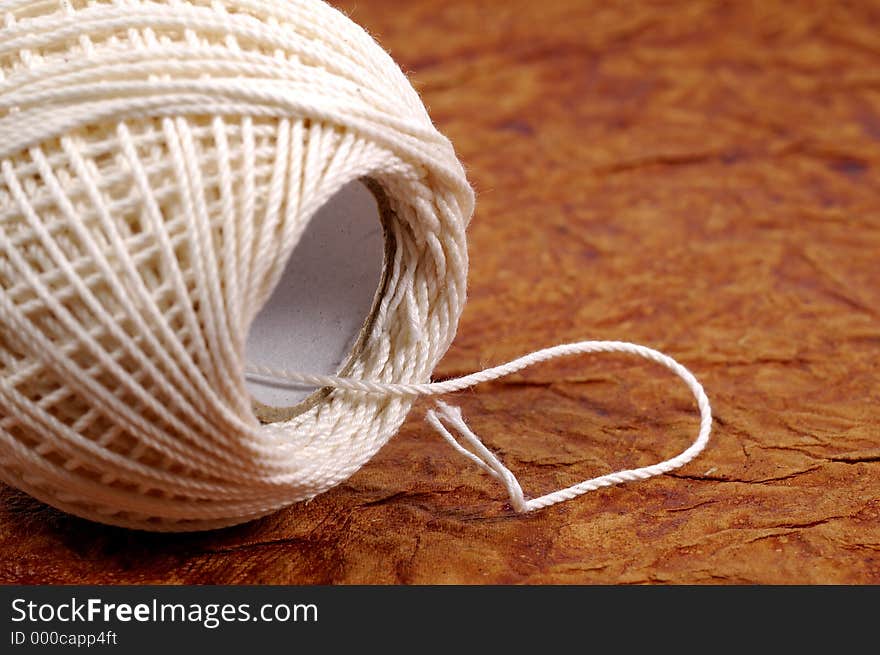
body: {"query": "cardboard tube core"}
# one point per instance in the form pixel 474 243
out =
pixel 321 310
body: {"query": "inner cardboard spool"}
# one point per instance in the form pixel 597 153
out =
pixel 318 317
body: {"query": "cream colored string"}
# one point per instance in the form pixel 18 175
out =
pixel 481 455
pixel 159 161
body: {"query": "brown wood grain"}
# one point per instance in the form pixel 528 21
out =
pixel 699 177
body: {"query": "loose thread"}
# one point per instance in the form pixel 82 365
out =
pixel 446 415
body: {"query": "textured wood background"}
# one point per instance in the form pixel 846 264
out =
pixel 700 177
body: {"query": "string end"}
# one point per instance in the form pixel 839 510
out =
pixel 478 453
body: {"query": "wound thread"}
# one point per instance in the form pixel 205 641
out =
pixel 158 163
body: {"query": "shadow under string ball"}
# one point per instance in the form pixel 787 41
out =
pixel 166 171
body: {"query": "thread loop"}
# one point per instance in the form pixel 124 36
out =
pixel 444 414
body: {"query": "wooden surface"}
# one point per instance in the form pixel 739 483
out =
pixel 698 177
